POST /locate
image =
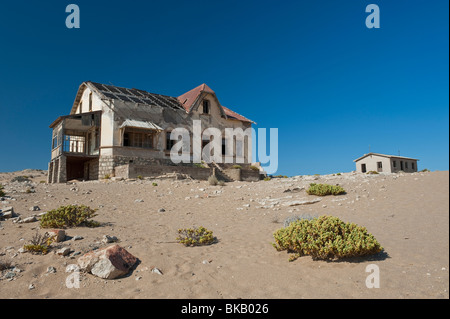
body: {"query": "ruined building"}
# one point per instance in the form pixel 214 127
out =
pixel 113 131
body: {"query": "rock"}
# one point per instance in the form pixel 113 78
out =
pixel 8 212
pixel 51 270
pixel 161 210
pixel 139 201
pixel 107 263
pixel 77 237
pixel 31 219
pixel 34 208
pixel 157 271
pixel 10 275
pixel 63 251
pixel 31 286
pixel 302 202
pixel 58 235
pixel 109 239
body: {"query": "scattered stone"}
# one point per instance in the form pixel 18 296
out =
pixel 157 271
pixel 31 286
pixel 10 275
pixel 8 212
pixel 109 239
pixel 63 251
pixel 31 219
pixel 302 202
pixel 59 235
pixel 107 263
pixel 34 208
pixel 139 201
pixel 51 270
pixel 161 210
pixel 77 238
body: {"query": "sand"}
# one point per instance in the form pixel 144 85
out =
pixel 407 213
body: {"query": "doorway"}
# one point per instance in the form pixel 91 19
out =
pixel 363 168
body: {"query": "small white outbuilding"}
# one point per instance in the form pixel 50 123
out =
pixel 385 163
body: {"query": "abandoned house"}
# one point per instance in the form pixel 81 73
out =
pixel 385 163
pixel 115 131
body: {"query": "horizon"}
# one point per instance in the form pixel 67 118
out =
pixel 335 89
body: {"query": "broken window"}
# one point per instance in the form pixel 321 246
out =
pixel 205 107
pixel 90 102
pixel 169 143
pixel 74 144
pixel 138 139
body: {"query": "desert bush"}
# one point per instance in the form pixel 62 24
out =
pixel 155 184
pixel 338 174
pixel 295 218
pixel 69 216
pixel 199 165
pixel 39 244
pixel 5 265
pixel 267 178
pixel 195 236
pixel 324 189
pixel 139 177
pixel 2 192
pixel 254 168
pixel 21 179
pixel 425 170
pixel 325 237
pixel 107 176
pixel 236 166
pixel 212 180
pixel 372 172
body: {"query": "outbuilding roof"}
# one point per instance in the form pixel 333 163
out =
pixel 384 155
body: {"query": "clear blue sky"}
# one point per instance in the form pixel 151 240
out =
pixel 310 68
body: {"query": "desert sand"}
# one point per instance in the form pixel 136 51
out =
pixel 407 214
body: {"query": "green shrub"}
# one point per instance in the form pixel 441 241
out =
pixel 425 170
pixel 69 216
pixel 267 178
pixel 236 166
pixel 39 244
pixel 372 172
pixel 195 236
pixel 325 237
pixel 139 177
pixel 107 176
pixel 254 168
pixel 338 174
pixel 199 165
pixel 155 184
pixel 2 193
pixel 212 180
pixel 324 189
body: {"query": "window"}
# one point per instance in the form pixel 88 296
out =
pixel 90 102
pixel 406 164
pixel 223 147
pixel 81 107
pixel 379 164
pixel 138 139
pixel 412 165
pixel 394 163
pixel 169 143
pixel 205 107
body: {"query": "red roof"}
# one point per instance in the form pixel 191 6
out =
pixel 188 98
